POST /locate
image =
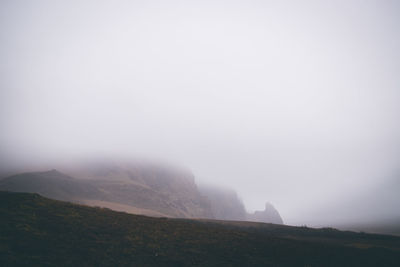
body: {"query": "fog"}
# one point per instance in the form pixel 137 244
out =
pixel 291 102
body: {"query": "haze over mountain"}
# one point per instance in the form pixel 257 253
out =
pixel 226 205
pixel 268 214
pixel 162 190
pixel 290 102
pixel 146 188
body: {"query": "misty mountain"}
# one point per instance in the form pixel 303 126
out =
pixel 138 188
pixel 159 192
pixel 225 204
pixel 169 190
pixel 269 214
pixel 293 102
pixel 52 184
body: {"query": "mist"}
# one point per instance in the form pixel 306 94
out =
pixel 291 102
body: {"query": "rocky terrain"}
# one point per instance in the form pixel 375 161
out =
pixel 269 214
pixel 138 188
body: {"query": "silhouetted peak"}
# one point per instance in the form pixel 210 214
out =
pixel 268 215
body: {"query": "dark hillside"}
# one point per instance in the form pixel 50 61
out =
pixel 35 231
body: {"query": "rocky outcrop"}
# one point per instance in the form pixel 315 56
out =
pixel 159 187
pixel 225 203
pixel 268 215
pixel 164 190
pixel 139 187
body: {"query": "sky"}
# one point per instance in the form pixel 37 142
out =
pixel 291 102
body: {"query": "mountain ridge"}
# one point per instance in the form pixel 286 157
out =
pixel 148 189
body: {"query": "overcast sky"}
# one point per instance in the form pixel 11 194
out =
pixel 292 102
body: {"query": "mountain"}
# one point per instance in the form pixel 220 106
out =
pixel 225 204
pixel 154 191
pixel 36 231
pixel 52 184
pixel 160 187
pixel 269 214
pixel 139 188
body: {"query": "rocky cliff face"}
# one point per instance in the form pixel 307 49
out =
pixel 142 188
pixel 163 188
pixel 225 204
pixel 268 215
pixel 167 191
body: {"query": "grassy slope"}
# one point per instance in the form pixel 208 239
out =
pixel 39 231
pixel 122 207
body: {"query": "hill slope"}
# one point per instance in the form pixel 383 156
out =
pixel 35 231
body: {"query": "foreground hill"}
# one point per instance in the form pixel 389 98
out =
pixel 35 231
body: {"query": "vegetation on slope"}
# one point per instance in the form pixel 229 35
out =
pixel 35 231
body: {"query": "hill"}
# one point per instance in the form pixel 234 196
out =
pixel 36 231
